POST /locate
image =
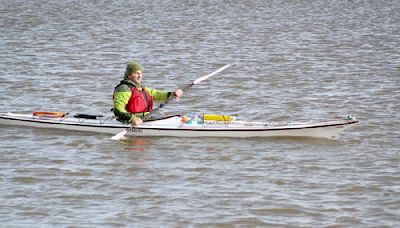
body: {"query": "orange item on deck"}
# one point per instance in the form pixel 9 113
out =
pixel 49 114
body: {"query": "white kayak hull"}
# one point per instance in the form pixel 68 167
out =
pixel 175 126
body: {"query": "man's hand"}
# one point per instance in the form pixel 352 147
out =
pixel 136 120
pixel 178 93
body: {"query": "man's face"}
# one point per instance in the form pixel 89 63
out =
pixel 136 77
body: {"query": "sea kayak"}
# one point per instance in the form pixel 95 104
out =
pixel 180 126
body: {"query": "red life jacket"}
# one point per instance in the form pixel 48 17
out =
pixel 140 101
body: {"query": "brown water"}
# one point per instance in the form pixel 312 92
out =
pixel 290 61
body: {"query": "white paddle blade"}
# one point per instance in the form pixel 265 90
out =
pixel 120 135
pixel 197 81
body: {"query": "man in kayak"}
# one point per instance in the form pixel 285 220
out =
pixel 132 100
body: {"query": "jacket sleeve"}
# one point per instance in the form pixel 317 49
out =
pixel 160 96
pixel 122 94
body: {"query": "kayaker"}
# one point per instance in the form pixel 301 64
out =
pixel 133 100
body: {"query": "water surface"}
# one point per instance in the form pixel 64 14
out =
pixel 290 61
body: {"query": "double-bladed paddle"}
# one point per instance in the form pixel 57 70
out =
pixel 121 134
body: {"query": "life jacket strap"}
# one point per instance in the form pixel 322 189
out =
pixel 147 99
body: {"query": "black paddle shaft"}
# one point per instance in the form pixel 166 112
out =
pixel 162 105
